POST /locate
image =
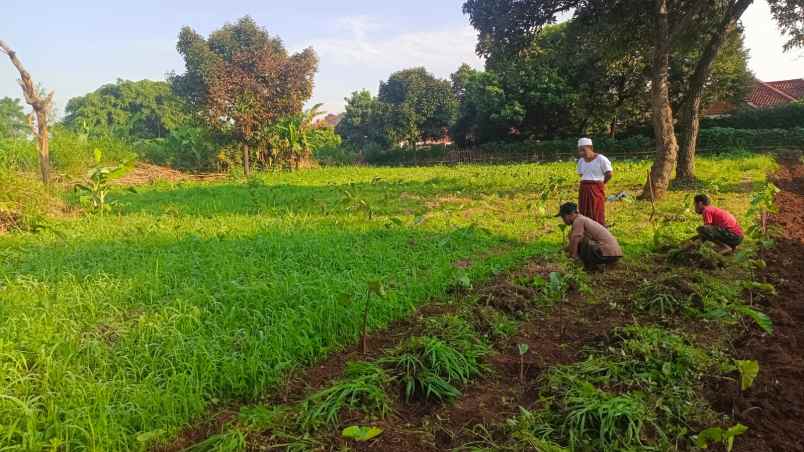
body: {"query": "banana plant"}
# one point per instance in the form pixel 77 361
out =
pixel 97 185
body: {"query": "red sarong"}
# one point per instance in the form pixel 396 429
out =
pixel 592 201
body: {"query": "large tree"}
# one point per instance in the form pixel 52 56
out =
pixel 659 26
pixel 42 105
pixel 357 127
pixel 126 109
pixel 242 80
pixel 417 105
pixel 13 121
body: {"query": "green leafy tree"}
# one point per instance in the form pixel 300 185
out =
pixel 241 79
pixel 13 121
pixel 658 28
pixel 130 110
pixel 357 127
pixel 418 106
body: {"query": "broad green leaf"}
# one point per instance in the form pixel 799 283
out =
pixel 360 433
pixel 748 372
pixel 761 319
pixel 98 155
pixel 709 436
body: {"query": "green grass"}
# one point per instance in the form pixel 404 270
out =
pixel 130 325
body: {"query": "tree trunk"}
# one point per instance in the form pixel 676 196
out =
pixel 689 118
pixel 44 146
pixel 666 145
pixel 246 157
pixel 41 106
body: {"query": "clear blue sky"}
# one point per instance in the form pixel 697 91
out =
pixel 78 45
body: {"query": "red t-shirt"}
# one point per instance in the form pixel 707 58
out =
pixel 721 219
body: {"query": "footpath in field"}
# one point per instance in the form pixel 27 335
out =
pixel 774 408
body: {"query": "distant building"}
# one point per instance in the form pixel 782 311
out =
pixel 763 95
pixel 330 120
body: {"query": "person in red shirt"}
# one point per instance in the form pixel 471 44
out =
pixel 719 225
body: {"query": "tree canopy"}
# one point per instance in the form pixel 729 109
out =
pixel 656 31
pixel 241 80
pixel 412 106
pixel 126 109
pixel 13 121
pixel 419 106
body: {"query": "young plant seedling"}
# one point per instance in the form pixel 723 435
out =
pixel 374 288
pixel 523 350
pixel 718 435
pixel 98 186
pixel 749 369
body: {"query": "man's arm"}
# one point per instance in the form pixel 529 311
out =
pixel 572 249
pixel 576 235
pixel 608 170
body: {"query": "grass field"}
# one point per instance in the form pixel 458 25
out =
pixel 121 328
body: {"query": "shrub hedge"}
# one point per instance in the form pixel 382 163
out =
pixel 710 139
pixel 788 116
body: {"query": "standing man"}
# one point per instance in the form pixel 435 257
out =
pixel 589 241
pixel 720 227
pixel 595 171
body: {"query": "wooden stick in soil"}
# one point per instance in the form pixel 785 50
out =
pixel 652 197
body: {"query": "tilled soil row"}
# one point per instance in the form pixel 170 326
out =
pixel 773 408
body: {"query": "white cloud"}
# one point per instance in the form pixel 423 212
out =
pixel 366 52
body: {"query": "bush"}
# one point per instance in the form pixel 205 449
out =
pixel 187 147
pixel 337 155
pixel 788 116
pixel 742 138
pixel 18 154
pixel 25 203
pixel 72 154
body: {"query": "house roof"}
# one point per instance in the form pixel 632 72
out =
pixel 769 94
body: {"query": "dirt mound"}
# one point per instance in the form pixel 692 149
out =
pixel 773 408
pixel 146 173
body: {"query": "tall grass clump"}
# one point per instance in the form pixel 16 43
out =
pixel 639 394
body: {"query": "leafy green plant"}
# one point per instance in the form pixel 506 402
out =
pixel 604 420
pixel 430 368
pixel 748 370
pixel 363 389
pixel 717 435
pixel 360 433
pixel 98 186
pixel 760 318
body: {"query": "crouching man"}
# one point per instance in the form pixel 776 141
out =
pixel 720 227
pixel 589 240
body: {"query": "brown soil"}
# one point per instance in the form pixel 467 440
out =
pixel 146 173
pixel 553 339
pixel 773 408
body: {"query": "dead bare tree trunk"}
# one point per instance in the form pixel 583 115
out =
pixel 41 106
pixel 666 144
pixel 689 118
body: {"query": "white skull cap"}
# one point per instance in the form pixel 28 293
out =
pixel 584 142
